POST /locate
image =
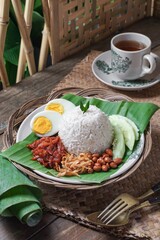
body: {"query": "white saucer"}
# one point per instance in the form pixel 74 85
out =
pixel 101 68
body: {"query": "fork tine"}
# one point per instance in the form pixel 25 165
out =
pixel 116 215
pixel 112 209
pixel 113 213
pixel 109 206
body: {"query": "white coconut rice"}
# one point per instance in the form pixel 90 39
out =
pixel 86 132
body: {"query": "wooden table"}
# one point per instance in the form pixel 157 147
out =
pixel 51 226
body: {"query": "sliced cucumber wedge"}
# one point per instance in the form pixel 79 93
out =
pixel 118 143
pixel 127 130
pixel 135 128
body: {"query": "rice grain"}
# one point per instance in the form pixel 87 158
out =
pixel 86 132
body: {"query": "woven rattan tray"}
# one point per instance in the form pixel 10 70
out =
pixel 76 201
pixel 20 114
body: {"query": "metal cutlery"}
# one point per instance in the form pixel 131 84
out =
pixel 122 203
pixel 123 218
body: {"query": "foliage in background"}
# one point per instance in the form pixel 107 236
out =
pixel 13 39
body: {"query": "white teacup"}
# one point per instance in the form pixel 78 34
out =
pixel 131 56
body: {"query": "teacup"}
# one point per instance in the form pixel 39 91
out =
pixel 131 56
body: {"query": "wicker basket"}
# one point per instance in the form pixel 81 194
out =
pixel 21 113
pixel 75 202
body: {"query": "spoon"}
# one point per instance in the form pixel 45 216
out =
pixel 123 218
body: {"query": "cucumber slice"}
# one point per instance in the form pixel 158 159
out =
pixel 127 129
pixel 135 128
pixel 118 143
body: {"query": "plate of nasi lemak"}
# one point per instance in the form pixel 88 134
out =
pixel 82 140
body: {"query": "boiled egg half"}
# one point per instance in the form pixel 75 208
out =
pixel 59 105
pixel 46 123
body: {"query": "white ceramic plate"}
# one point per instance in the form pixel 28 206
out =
pixel 24 130
pixel 101 68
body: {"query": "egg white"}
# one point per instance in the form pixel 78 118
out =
pixel 55 119
pixel 67 105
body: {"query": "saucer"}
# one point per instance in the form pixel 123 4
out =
pixel 101 68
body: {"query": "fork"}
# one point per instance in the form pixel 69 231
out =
pixel 122 203
pixel 123 218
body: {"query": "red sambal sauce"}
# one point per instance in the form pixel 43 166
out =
pixel 48 151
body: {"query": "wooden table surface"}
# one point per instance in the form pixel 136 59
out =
pixel 51 226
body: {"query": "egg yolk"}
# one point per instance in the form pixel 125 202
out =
pixel 42 125
pixel 57 107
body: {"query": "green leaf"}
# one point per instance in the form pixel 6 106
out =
pixel 139 113
pixel 26 74
pixel 83 107
pixel 20 154
pixel 12 72
pixel 13 36
pixel 37 28
pixel 18 195
pixel 38 6
pixel 11 55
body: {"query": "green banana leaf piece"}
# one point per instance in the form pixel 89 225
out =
pixel 19 196
pixel 140 113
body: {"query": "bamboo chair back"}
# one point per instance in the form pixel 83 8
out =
pixel 24 21
pixel 74 25
pixel 4 19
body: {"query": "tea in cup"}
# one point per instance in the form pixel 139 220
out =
pixel 131 56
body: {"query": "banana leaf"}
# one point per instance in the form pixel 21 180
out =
pixel 20 154
pixel 11 55
pixel 19 196
pixel 139 113
pixel 13 38
pixel 37 28
pixel 12 72
pixel 38 6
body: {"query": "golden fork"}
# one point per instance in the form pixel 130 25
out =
pixel 122 203
pixel 123 218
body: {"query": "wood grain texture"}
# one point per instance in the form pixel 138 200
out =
pixel 63 229
pixel 11 228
